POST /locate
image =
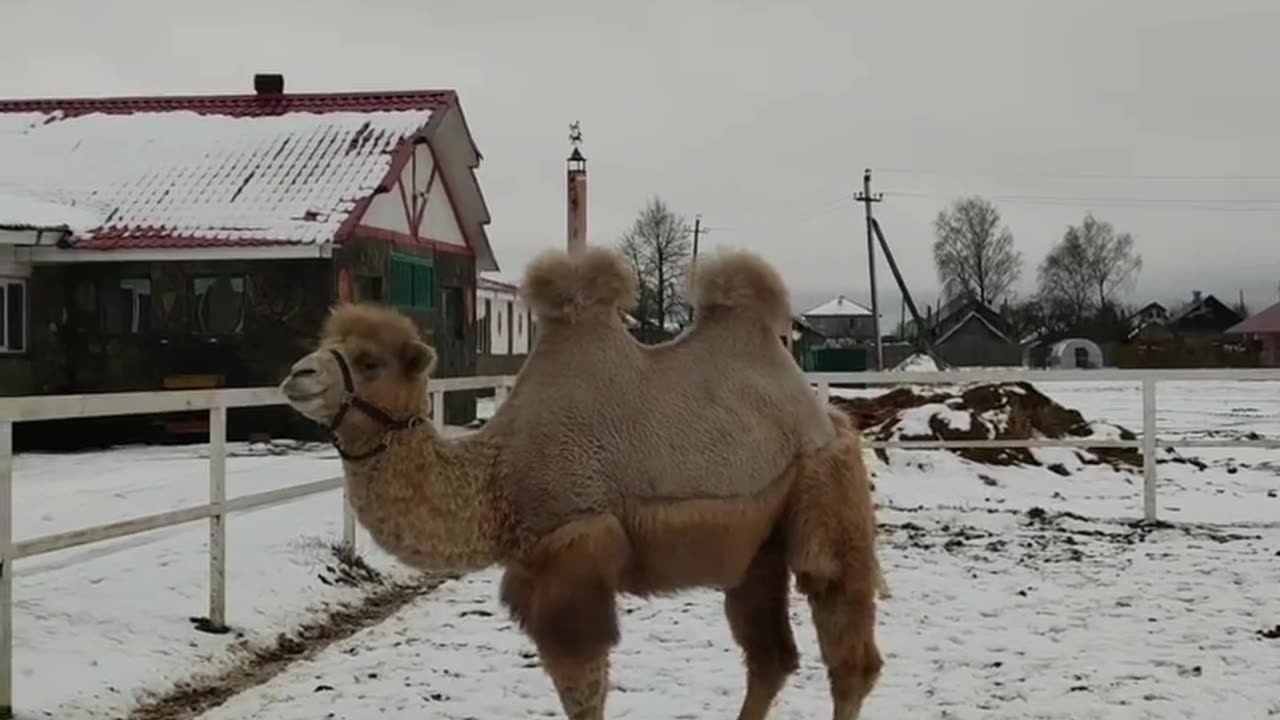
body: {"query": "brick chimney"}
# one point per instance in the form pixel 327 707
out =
pixel 576 180
pixel 268 84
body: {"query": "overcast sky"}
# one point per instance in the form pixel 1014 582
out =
pixel 1161 117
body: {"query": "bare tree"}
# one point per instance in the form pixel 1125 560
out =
pixel 634 251
pixel 658 247
pixel 1085 273
pixel 973 254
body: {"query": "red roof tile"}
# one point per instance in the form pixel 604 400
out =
pixel 239 105
pixel 1262 323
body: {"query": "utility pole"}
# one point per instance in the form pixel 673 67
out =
pixel 867 199
pixel 698 231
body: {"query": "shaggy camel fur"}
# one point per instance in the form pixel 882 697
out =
pixel 614 467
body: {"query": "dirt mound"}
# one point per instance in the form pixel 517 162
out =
pixel 989 411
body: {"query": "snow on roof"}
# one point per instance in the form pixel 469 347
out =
pixel 23 212
pixel 838 307
pixel 495 285
pixel 917 362
pixel 206 171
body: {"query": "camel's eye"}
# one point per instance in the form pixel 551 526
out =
pixel 368 363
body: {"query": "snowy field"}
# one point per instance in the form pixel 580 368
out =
pixel 1017 593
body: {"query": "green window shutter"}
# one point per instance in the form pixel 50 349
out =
pixel 412 282
pixel 401 283
pixel 421 293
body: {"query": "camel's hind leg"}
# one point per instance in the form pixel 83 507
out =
pixel 831 539
pixel 845 622
pixel 757 611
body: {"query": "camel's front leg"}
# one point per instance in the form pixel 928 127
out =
pixel 564 595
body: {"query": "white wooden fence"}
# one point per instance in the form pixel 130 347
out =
pixel 216 403
pixel 1147 380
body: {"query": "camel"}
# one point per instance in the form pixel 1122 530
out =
pixel 614 467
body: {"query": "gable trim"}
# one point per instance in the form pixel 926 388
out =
pixel 403 240
pixel 973 314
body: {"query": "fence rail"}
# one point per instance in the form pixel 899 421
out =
pixel 1145 379
pixel 217 402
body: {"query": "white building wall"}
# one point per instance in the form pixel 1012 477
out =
pixel 440 223
pixel 510 324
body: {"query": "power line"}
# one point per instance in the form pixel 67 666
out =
pixel 790 216
pixel 1224 205
pixel 1082 175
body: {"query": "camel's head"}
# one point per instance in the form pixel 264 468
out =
pixel 384 354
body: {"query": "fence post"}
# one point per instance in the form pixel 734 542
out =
pixel 824 392
pixel 437 409
pixel 499 394
pixel 6 570
pixel 217 520
pixel 1148 449
pixel 348 523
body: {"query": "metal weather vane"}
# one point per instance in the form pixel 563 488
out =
pixel 575 134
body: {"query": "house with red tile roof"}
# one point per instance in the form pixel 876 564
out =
pixel 195 241
pixel 1262 328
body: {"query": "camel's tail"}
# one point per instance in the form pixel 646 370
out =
pixel 563 287
pixel 743 282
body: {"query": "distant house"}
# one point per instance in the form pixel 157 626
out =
pixel 842 318
pixel 803 342
pixel 1150 312
pixel 1264 329
pixel 198 241
pixel 1204 317
pixel 967 332
pixel 1194 335
pixel 504 328
pixel 1150 323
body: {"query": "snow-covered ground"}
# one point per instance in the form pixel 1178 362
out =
pixel 115 616
pixel 999 610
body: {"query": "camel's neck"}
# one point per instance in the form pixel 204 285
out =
pixel 428 501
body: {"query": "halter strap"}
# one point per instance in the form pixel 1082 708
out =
pixel 351 400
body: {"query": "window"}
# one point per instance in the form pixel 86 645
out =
pixel 483 326
pixel 124 307
pixel 368 288
pixel 218 304
pixel 511 336
pixel 13 315
pixel 413 282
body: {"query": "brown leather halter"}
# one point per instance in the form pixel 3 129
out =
pixel 351 400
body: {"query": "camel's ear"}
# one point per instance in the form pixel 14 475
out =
pixel 418 358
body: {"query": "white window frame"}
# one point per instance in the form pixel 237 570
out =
pixel 5 348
